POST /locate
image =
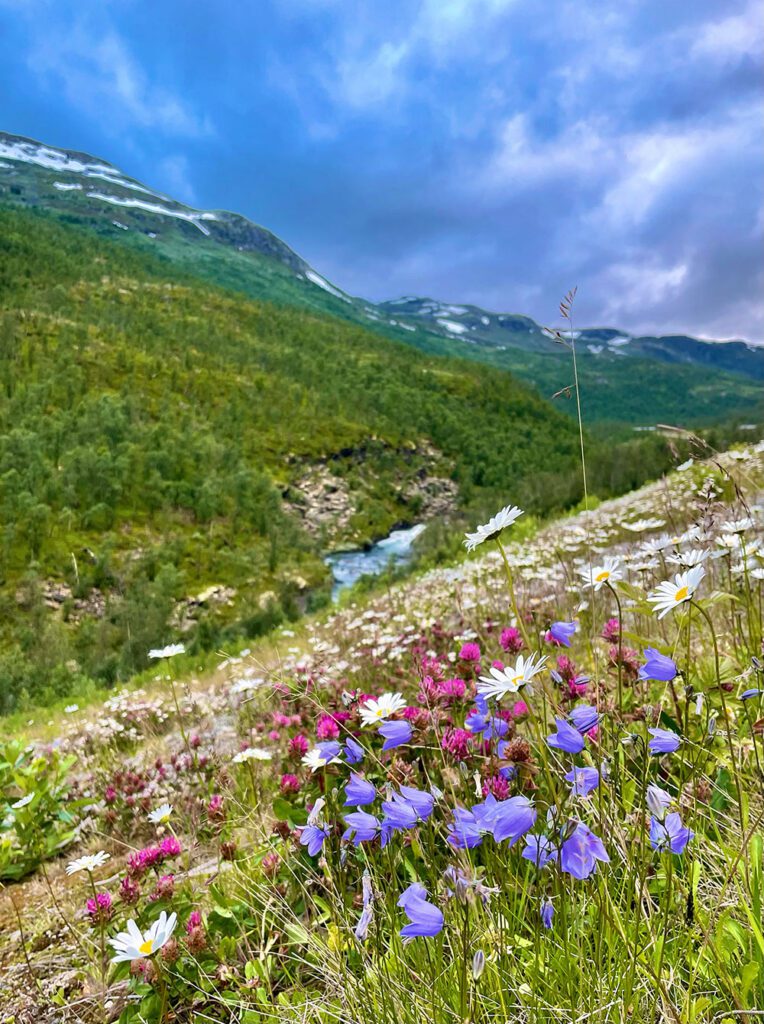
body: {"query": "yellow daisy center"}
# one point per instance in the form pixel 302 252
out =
pixel 681 594
pixel 517 679
pixel 602 576
pixel 146 947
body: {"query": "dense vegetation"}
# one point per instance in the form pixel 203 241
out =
pixel 151 426
pixel 527 788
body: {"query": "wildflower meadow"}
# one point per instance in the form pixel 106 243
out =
pixel 525 788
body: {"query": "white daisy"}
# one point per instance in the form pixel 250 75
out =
pixel 167 652
pixel 738 525
pixel 88 863
pixel 668 595
pixel 136 945
pixel 252 754
pixel 161 815
pixel 510 680
pixel 598 575
pixel 376 709
pixel 493 527
pixel 695 556
pixel 640 525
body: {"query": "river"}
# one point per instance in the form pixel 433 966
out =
pixel 349 566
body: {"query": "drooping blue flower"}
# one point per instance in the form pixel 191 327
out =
pixel 425 918
pixel 313 837
pixel 482 723
pixel 359 791
pixel 547 912
pixel 669 834
pixel 469 827
pixel 399 814
pixel 563 632
pixel 465 832
pixel 566 738
pixel 657 666
pixel 422 801
pixel 539 850
pixel 583 780
pixel 584 717
pixel 511 819
pixel 581 851
pixel 362 827
pixel 395 733
pixel 658 801
pixel 328 750
pixel 361 929
pixel 750 694
pixel 664 741
pixel 353 751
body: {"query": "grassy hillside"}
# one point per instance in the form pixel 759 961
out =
pixel 153 432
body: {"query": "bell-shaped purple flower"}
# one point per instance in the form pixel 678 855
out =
pixel 581 851
pixel 664 741
pixel 362 827
pixel 359 791
pixel 482 723
pixel 313 837
pixel 547 912
pixel 566 738
pixel 584 717
pixel 399 814
pixel 511 819
pixel 583 780
pixel 422 801
pixel 466 831
pixel 539 850
pixel 353 751
pixel 669 834
pixel 658 801
pixel 563 632
pixel 425 918
pixel 657 666
pixel 396 733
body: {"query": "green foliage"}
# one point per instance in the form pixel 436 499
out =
pixel 37 819
pixel 151 427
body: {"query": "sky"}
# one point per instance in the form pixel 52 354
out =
pixel 495 152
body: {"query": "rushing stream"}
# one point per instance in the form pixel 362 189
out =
pixel 349 566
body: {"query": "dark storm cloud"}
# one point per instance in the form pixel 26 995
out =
pixel 486 151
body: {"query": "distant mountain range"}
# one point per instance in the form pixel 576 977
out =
pixel 706 380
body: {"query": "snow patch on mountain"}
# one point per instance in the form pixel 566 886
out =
pixel 43 156
pixel 194 217
pixel 452 326
pixel 317 279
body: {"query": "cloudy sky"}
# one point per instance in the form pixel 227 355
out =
pixel 487 151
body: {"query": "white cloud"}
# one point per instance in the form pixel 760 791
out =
pixel 741 35
pixel 100 76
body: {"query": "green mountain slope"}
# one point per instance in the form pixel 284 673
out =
pixel 706 382
pixel 156 435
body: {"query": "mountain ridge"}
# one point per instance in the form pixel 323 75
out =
pixel 230 250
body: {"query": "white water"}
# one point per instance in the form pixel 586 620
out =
pixel 349 566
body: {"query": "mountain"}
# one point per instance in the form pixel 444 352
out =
pixel 228 250
pixel 176 458
pixel 178 454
